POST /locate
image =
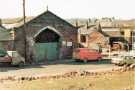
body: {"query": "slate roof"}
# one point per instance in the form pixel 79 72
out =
pixel 20 24
pixel 87 31
pixel 113 33
pixel 118 24
pixel 4 34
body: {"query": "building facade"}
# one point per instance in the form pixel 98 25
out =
pixel 46 37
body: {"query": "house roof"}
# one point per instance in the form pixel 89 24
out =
pixel 5 35
pixel 113 33
pixel 14 22
pixel 85 30
pixel 2 27
pixel 118 24
pixel 20 24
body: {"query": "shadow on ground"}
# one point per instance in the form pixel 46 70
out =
pixel 5 68
pixel 73 62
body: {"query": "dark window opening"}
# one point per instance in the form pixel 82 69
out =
pixel 83 38
pixel 122 32
pixel 47 36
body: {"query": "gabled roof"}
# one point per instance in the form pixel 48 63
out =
pixel 45 13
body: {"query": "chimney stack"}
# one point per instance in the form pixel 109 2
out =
pixel 76 23
pixel 87 24
pixel 89 20
pixel 47 8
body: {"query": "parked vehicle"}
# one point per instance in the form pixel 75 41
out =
pixel 116 59
pixel 4 57
pixel 85 54
pixel 122 60
pixel 131 53
pixel 11 57
pixel 16 58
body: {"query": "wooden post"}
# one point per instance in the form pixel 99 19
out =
pixel 132 35
pixel 24 31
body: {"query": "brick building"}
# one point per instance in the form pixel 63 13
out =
pixel 92 37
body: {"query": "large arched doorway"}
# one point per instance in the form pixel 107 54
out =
pixel 47 45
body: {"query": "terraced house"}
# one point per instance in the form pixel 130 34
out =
pixel 121 34
pixel 117 34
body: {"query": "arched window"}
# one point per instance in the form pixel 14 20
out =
pixel 47 36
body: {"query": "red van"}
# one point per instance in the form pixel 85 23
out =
pixel 86 54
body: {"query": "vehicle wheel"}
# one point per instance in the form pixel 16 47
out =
pixel 77 60
pixel 116 64
pixel 121 64
pixel 85 61
pixel 99 59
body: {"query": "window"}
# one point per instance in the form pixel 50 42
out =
pixel 122 32
pixel 83 38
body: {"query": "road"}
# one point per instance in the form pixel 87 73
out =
pixel 55 68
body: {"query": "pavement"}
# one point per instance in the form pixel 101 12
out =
pixel 58 67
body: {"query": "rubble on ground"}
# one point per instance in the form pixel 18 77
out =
pixel 70 74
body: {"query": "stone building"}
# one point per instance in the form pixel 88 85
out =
pixel 48 37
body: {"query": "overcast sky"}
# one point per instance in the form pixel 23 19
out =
pixel 70 8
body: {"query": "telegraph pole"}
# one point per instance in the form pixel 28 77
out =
pixel 24 32
pixel 132 39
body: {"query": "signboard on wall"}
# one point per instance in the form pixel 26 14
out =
pixel 64 43
pixel 69 44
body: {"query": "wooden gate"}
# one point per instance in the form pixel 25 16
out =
pixel 46 51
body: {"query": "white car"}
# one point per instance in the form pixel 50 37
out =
pixel 131 53
pixel 116 59
pixel 122 60
pixel 16 58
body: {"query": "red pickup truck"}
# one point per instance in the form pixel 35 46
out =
pixel 85 54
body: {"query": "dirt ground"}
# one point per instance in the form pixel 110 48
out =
pixel 56 68
pixel 111 81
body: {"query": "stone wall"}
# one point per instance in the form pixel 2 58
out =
pixel 67 31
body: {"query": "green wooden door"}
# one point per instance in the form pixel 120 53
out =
pixel 46 51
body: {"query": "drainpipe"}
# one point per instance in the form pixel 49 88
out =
pixel 109 52
pixel 109 48
pixel 76 23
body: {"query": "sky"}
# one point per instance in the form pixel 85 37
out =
pixel 123 9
